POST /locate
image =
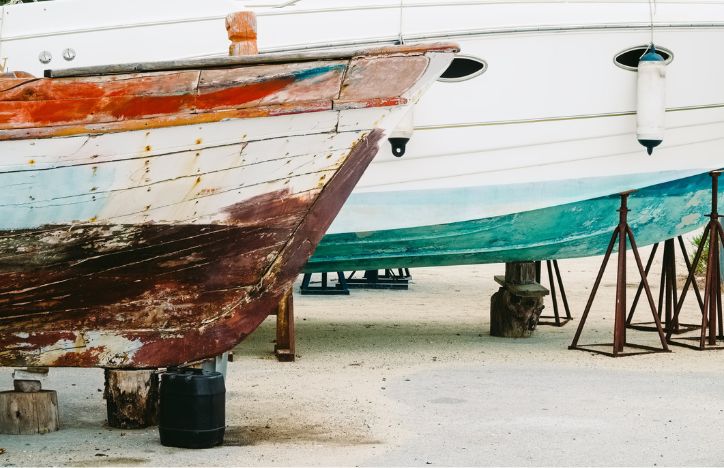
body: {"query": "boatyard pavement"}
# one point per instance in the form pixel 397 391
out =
pixel 413 378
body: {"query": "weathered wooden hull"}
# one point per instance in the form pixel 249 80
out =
pixel 156 222
pixel 169 293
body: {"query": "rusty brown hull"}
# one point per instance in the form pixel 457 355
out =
pixel 168 294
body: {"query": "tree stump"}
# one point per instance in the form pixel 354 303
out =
pixel 25 413
pixel 131 398
pixel 515 308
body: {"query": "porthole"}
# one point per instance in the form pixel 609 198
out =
pixel 463 68
pixel 629 59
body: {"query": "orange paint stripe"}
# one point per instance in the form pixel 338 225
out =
pixel 193 118
pixel 30 114
pixel 166 121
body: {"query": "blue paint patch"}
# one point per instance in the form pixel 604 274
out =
pixel 315 72
pixel 63 195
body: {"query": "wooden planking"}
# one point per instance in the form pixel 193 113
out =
pixel 178 119
pixel 226 77
pixel 172 267
pixel 204 208
pixel 33 154
pixel 11 82
pixel 369 78
pixel 172 190
pixel 228 166
pixel 146 84
pixel 122 208
pixel 127 97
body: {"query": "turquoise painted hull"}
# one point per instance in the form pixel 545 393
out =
pixel 571 230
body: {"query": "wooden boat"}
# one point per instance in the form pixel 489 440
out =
pixel 154 214
pixel 547 121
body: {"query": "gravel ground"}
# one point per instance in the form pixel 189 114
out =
pixel 413 378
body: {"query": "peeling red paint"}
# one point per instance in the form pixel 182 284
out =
pixel 83 358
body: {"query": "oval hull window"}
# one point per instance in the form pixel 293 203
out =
pixel 629 59
pixel 463 68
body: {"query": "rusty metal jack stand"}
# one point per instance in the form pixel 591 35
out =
pixel 622 232
pixel 711 317
pixel 556 317
pixel 668 295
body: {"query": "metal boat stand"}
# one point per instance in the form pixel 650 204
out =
pixel 387 280
pixel 324 289
pixel 712 325
pixel 621 233
pixel 668 294
pixel 552 265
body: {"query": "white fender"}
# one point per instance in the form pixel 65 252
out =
pixel 651 100
pixel 402 133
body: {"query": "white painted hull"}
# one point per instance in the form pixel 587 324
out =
pixel 550 122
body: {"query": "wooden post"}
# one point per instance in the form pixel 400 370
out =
pixel 131 398
pixel 515 308
pixel 241 28
pixel 28 409
pixel 285 346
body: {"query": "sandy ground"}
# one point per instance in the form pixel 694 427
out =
pixel 413 378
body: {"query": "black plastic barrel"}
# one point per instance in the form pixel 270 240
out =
pixel 191 412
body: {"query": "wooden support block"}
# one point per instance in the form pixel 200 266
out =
pixel 27 386
pixel 520 273
pixel 513 316
pixel 131 398
pixel 39 374
pixel 515 308
pixel 29 413
pixel 526 290
pixel 285 346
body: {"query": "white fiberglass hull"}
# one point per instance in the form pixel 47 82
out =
pixel 551 121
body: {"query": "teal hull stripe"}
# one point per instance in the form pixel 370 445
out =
pixel 571 230
pixel 377 211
